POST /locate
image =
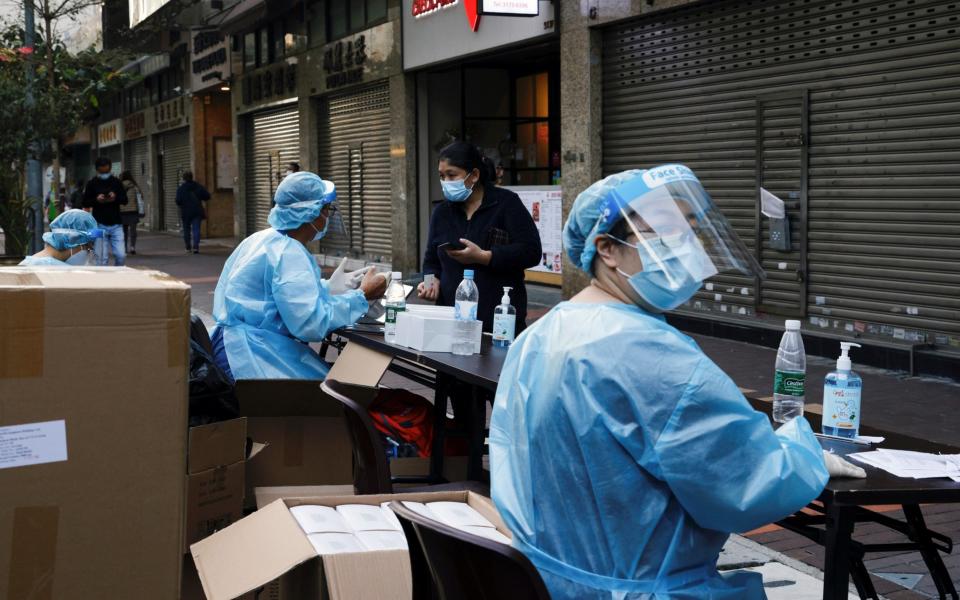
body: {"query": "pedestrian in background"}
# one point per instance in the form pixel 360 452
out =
pixel 496 236
pixel 292 168
pixel 190 198
pixel 75 200
pixel 131 212
pixel 103 196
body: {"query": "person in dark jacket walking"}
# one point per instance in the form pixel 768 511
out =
pixel 103 197
pixel 190 198
pixel 498 236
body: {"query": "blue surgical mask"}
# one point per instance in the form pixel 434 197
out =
pixel 658 291
pixel 79 259
pixel 456 190
pixel 320 232
pixel 104 176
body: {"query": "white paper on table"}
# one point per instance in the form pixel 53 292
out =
pixel 366 517
pixel 335 543
pixel 910 464
pixel 458 514
pixel 770 205
pixel 320 519
pixel 382 540
pixel 870 439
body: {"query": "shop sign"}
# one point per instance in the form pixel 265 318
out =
pixel 110 133
pixel 274 83
pixel 432 34
pixel 135 125
pixel 170 115
pixel 209 59
pixel 511 8
pixel 343 61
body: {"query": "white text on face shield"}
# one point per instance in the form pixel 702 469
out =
pixel 667 173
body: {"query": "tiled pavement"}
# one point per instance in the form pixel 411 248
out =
pixel 922 407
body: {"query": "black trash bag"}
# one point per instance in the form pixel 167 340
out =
pixel 212 398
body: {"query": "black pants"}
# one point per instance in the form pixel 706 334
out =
pixel 130 221
pixel 191 225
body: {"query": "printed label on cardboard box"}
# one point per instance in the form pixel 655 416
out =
pixel 33 444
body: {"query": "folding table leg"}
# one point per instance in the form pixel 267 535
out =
pixel 440 399
pixel 478 418
pixel 836 568
pixel 861 579
pixel 921 535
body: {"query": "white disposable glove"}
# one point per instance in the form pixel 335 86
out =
pixel 338 281
pixel 355 277
pixel 838 467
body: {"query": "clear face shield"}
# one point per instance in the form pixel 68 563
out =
pixel 681 236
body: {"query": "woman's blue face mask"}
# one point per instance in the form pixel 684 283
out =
pixel 456 190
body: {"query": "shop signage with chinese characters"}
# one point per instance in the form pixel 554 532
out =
pixel 135 125
pixel 422 8
pixel 110 133
pixel 274 83
pixel 210 59
pixel 343 61
pixel 171 114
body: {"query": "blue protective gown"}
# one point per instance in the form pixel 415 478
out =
pixel 42 261
pixel 622 457
pixel 270 301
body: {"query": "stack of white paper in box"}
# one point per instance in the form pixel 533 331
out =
pixel 432 329
pixel 909 464
pixel 350 528
pixel 460 516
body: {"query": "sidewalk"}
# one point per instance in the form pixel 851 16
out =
pixel 916 406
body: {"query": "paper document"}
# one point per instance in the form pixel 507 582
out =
pixel 913 465
pixel 770 205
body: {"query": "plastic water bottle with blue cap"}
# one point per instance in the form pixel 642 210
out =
pixel 790 378
pixel 465 312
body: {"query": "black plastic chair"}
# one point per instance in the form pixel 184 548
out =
pixel 467 567
pixel 199 334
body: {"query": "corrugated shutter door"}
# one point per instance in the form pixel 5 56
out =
pixel 354 153
pixel 883 227
pixel 138 163
pixel 176 159
pixel 273 140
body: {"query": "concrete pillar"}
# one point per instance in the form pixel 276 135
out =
pixel 403 170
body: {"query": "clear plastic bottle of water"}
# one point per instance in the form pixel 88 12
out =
pixel 791 373
pixel 465 309
pixel 395 302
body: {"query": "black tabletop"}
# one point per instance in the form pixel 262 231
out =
pixel 482 369
pixel 881 487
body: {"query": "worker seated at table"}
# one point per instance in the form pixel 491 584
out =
pixel 69 243
pixel 621 455
pixel 271 300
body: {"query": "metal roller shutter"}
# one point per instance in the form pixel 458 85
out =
pixel 354 153
pixel 877 223
pixel 175 159
pixel 273 141
pixel 138 163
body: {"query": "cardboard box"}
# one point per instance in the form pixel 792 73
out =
pixel 269 543
pixel 93 432
pixel 434 329
pixel 216 462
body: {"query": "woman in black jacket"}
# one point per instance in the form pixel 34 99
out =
pixel 499 236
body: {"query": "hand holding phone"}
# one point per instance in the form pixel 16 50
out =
pixel 452 246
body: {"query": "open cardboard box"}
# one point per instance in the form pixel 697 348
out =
pixel 269 543
pixel 216 462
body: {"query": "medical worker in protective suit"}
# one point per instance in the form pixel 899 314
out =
pixel 621 456
pixel 69 243
pixel 271 301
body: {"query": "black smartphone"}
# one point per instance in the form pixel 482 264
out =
pixel 452 246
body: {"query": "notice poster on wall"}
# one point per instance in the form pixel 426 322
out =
pixel 545 206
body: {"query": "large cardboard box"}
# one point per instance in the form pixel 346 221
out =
pixel 216 463
pixel 270 543
pixel 93 432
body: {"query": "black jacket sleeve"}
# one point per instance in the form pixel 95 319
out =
pixel 431 263
pixel 89 195
pixel 524 250
pixel 179 198
pixel 202 194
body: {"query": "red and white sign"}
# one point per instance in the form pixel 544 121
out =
pixel 422 8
